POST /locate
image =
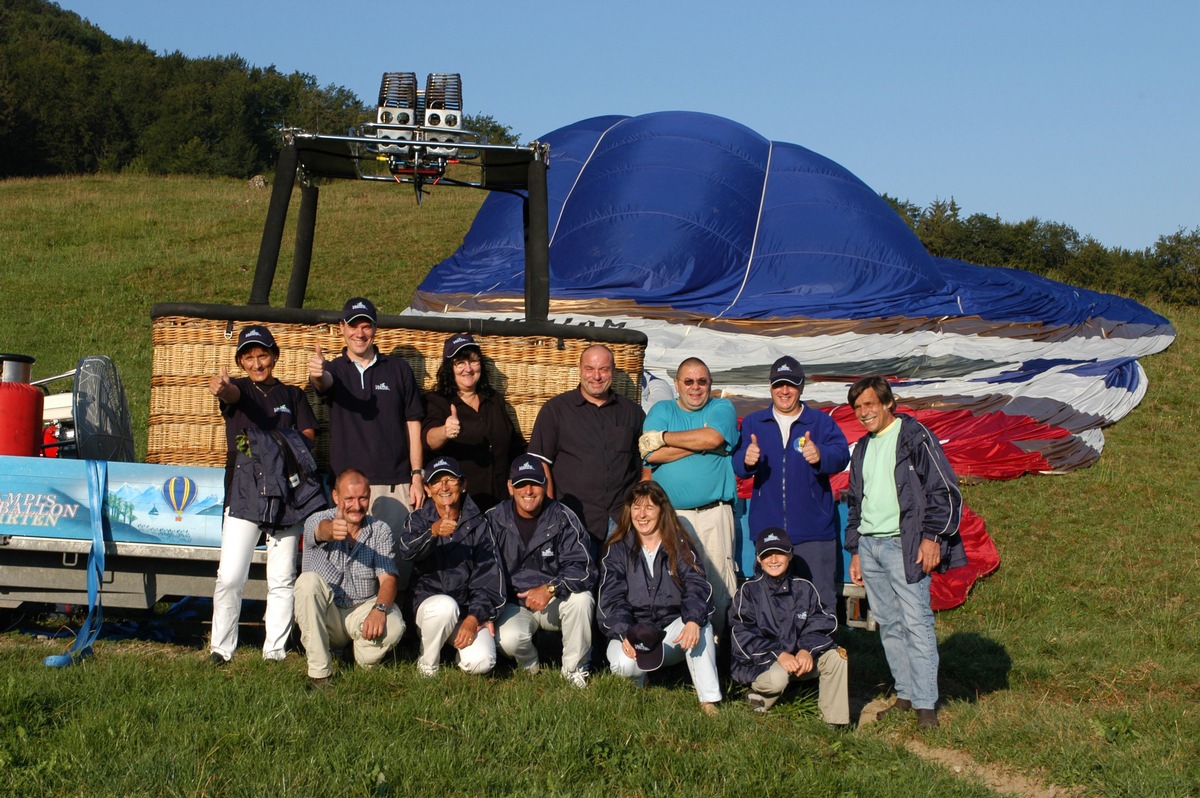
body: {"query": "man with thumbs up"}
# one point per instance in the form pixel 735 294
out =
pixel 375 416
pixel 347 592
pixel 790 451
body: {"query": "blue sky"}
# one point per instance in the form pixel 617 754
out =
pixel 1085 113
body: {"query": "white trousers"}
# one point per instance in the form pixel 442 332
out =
pixel 238 538
pixel 437 621
pixel 701 661
pixel 712 530
pixel 517 626
pixel 833 696
pixel 325 625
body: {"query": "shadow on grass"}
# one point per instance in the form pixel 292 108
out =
pixel 970 665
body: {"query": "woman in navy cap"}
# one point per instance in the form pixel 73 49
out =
pixel 655 600
pixel 255 401
pixel 465 418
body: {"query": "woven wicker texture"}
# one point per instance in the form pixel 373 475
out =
pixel 187 429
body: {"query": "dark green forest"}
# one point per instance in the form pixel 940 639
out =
pixel 74 100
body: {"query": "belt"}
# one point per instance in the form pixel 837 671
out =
pixel 711 505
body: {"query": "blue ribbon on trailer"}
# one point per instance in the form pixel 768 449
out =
pixel 97 471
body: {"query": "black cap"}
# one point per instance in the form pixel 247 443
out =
pixel 772 539
pixel 647 641
pixel 442 465
pixel 256 335
pixel 456 343
pixel 787 369
pixel 359 308
pixel 527 468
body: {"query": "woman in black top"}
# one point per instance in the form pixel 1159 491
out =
pixel 465 418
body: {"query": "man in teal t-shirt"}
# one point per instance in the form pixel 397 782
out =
pixel 687 443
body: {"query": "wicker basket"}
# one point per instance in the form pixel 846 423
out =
pixel 186 428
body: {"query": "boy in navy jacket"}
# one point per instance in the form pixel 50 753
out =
pixel 781 633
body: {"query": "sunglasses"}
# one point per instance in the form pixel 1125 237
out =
pixel 703 382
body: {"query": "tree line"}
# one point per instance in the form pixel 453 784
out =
pixel 1169 270
pixel 75 100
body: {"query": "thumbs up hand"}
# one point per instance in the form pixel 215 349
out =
pixel 219 383
pixel 316 363
pixel 453 426
pixel 753 453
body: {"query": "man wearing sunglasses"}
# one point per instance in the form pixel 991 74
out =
pixel 687 443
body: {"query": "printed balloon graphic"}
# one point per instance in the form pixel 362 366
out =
pixel 179 493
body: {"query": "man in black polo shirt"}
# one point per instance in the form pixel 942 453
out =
pixel 589 436
pixel 375 416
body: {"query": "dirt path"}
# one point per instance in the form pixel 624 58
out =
pixel 1003 780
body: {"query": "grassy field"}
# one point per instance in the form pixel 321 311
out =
pixel 1075 665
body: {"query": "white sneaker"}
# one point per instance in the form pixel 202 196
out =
pixel 428 671
pixel 577 678
pixel 757 702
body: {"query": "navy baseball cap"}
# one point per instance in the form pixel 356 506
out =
pixel 256 335
pixel 787 369
pixel 647 641
pixel 772 539
pixel 527 468
pixel 443 465
pixel 359 308
pixel 456 343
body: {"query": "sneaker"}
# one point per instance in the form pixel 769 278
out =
pixel 318 684
pixel 756 702
pixel 217 660
pixel 927 718
pixel 709 709
pixel 898 706
pixel 275 656
pixel 428 671
pixel 577 678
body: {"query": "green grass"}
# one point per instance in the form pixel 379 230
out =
pixel 1075 663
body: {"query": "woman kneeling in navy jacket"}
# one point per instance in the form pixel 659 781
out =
pixel 655 600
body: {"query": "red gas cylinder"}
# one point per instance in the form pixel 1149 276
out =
pixel 20 419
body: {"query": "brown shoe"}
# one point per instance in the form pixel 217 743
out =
pixel 709 708
pixel 927 718
pixel 898 706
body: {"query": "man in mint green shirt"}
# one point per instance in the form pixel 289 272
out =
pixel 904 510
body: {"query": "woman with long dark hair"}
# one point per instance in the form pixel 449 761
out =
pixel 655 600
pixel 465 418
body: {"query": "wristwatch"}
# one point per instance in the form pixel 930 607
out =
pixel 382 608
pixel 552 590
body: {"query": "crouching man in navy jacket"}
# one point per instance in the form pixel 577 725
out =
pixel 458 586
pixel 549 574
pixel 781 633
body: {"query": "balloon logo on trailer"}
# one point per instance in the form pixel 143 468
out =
pixel 179 493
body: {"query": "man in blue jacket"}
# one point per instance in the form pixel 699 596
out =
pixel 549 573
pixel 790 451
pixel 458 584
pixel 904 512
pixel 781 633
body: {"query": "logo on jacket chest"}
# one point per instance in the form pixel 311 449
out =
pixel 547 552
pixel 382 386
pixel 802 616
pixel 282 409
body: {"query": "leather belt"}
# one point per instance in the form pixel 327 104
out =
pixel 711 505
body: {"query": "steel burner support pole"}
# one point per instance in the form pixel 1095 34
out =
pixel 537 240
pixel 272 238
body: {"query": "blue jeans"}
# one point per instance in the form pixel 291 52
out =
pixel 905 619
